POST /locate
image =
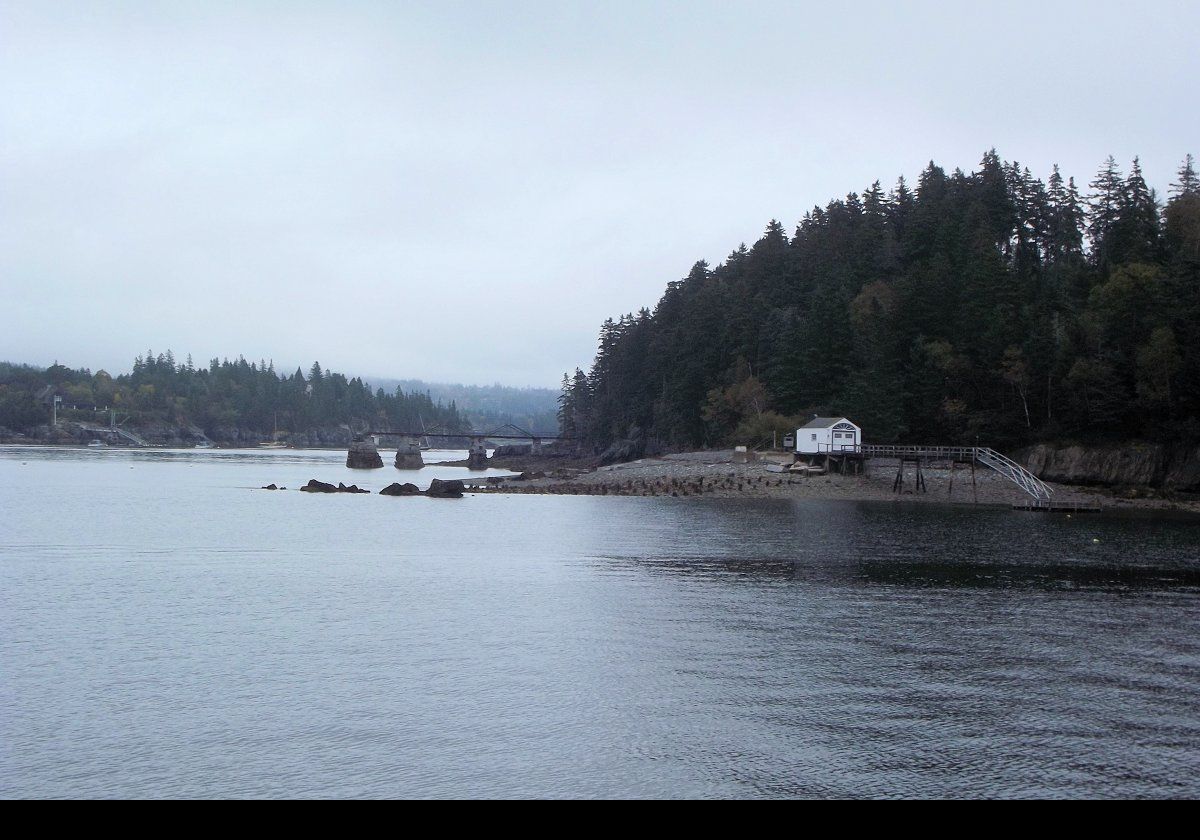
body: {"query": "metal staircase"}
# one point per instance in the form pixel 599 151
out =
pixel 1014 472
pixel 133 437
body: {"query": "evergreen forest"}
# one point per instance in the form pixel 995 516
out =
pixel 989 306
pixel 248 396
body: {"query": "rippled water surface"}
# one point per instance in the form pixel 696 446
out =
pixel 167 630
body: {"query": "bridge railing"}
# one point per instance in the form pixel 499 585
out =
pixel 961 453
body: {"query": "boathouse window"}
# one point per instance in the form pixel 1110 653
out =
pixel 814 437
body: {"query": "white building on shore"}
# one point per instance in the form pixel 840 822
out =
pixel 828 434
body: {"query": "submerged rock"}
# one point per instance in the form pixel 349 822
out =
pixel 353 488
pixel 270 487
pixel 398 489
pixel 315 486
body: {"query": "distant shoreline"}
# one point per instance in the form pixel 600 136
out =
pixel 715 474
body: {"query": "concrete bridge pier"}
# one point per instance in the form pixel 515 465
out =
pixel 408 454
pixel 477 455
pixel 363 455
pixel 535 448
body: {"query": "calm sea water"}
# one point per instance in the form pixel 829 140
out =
pixel 166 630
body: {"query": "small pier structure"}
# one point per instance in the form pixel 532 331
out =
pixel 851 458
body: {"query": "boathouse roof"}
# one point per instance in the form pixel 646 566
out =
pixel 826 422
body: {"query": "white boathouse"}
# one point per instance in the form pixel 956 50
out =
pixel 823 435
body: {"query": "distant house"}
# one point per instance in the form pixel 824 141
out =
pixel 828 434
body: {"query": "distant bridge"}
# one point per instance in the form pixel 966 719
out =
pixel 505 432
pixel 364 455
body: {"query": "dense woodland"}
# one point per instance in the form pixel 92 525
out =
pixel 988 306
pixel 239 394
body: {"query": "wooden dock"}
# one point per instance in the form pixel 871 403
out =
pixel 1047 506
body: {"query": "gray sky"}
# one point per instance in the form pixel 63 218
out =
pixel 463 192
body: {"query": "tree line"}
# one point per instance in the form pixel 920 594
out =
pixel 988 306
pixel 226 394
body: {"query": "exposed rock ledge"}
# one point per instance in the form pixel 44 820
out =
pixel 1131 464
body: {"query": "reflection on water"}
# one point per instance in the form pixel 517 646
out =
pixel 167 630
pixel 953 574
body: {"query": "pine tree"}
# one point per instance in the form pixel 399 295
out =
pixel 1104 210
pixel 1189 182
pixel 1065 220
pixel 1136 232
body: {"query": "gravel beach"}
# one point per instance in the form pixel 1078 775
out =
pixel 717 473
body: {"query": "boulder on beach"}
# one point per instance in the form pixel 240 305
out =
pixel 398 489
pixel 440 489
pixel 315 486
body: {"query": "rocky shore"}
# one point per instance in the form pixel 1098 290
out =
pixel 717 474
pixel 1134 464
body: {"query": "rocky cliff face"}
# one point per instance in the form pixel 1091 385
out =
pixel 1131 464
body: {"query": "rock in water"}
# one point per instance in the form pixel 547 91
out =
pixel 363 456
pixel 477 456
pixel 440 489
pixel 315 486
pixel 397 489
pixel 408 456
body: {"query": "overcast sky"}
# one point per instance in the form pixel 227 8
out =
pixel 464 191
